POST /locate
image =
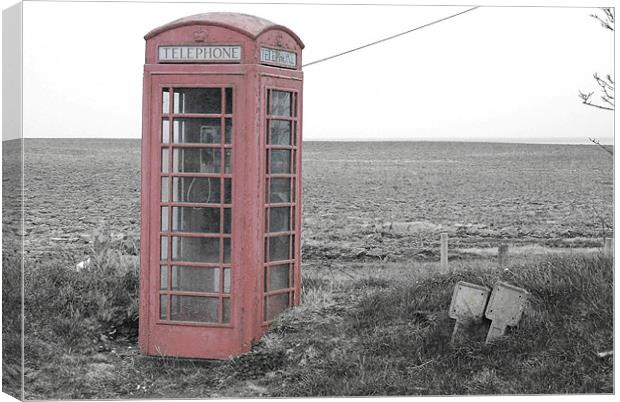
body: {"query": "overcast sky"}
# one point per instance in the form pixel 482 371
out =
pixel 493 74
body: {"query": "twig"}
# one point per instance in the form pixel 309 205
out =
pixel 608 20
pixel 424 364
pixel 586 101
pixel 597 142
pixel 607 84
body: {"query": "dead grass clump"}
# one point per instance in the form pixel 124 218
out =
pixel 72 306
pixel 395 341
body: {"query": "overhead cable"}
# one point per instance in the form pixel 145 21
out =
pixel 389 37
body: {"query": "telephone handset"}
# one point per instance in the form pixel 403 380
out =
pixel 208 134
pixel 191 186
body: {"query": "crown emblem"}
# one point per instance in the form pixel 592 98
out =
pixel 200 36
pixel 279 40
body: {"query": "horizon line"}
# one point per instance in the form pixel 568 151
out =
pixel 529 141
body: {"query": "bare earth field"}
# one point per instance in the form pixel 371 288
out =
pixel 372 319
pixel 480 193
pixel 361 200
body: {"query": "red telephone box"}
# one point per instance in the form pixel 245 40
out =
pixel 221 183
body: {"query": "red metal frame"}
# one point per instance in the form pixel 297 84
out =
pixel 248 286
pixel 293 233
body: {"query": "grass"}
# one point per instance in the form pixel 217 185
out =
pixel 395 339
pixel 78 305
pixel 362 329
pixel 11 324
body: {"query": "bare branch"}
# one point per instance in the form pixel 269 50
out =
pixel 597 142
pixel 607 88
pixel 585 96
pixel 607 20
pixel 587 102
pixel 606 93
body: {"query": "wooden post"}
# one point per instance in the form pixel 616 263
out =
pixel 444 252
pixel 608 248
pixel 502 255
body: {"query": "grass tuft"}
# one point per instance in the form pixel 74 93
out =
pixel 75 305
pixel 396 339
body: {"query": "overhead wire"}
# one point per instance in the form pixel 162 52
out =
pixel 389 37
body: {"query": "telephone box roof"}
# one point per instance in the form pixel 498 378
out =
pixel 246 24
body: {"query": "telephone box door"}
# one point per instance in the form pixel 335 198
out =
pixel 193 281
pixel 282 142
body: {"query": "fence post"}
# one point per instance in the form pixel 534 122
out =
pixel 444 252
pixel 502 255
pixel 608 248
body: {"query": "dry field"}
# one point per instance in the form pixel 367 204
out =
pixel 548 195
pixel 361 200
pixel 372 216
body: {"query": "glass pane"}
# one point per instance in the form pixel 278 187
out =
pixel 278 248
pixel 163 277
pixel 280 190
pixel 164 189
pixel 196 220
pixel 226 310
pixel 229 100
pixel 279 277
pixel 228 161
pixel 200 160
pixel 163 248
pixel 194 308
pixel 164 219
pixel 227 191
pixel 227 220
pixel 280 132
pixel 281 103
pixel 196 189
pixel 193 279
pixel 228 131
pixel 226 280
pixel 164 160
pixel 279 219
pixel 292 277
pixel 293 220
pixel 163 307
pixel 165 131
pixel 275 305
pixel 226 250
pixel 196 249
pixel 165 101
pixel 197 100
pixel 295 103
pixel 280 161
pixel 203 131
